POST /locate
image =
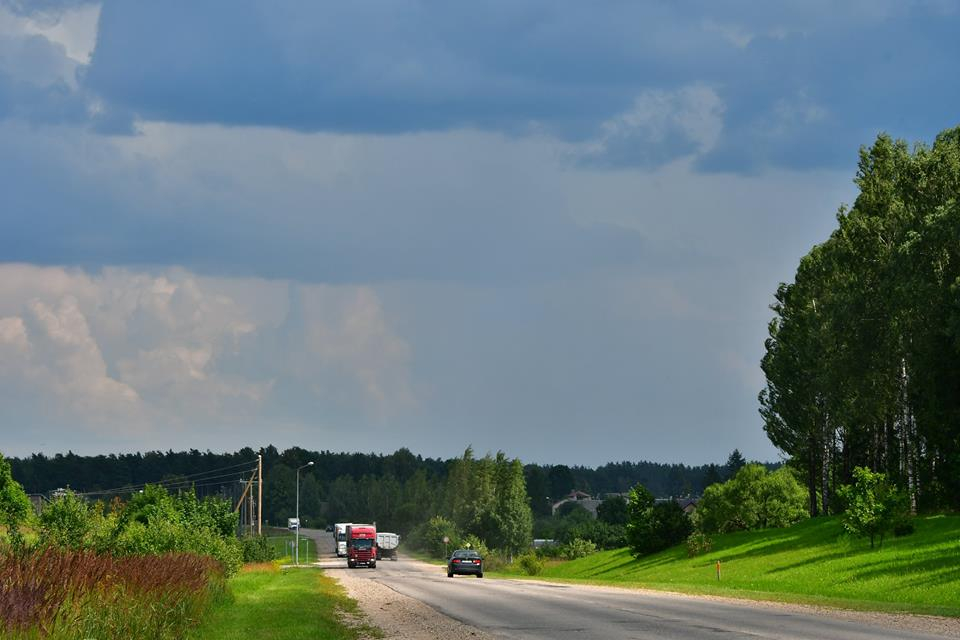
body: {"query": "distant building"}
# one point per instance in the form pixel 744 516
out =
pixel 689 505
pixel 585 500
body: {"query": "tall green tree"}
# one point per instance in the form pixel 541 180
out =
pixel 860 362
pixel 513 515
pixel 752 499
pixel 613 510
pixel 654 526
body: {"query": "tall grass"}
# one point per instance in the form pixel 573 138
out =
pixel 75 595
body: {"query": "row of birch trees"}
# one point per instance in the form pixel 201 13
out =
pixel 862 362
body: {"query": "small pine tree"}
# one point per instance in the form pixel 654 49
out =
pixel 735 462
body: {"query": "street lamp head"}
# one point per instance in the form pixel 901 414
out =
pixel 310 464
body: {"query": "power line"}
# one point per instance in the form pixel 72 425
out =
pixel 173 483
pixel 180 480
pixel 179 483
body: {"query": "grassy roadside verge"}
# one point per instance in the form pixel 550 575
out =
pixel 282 542
pixel 810 563
pixel 293 604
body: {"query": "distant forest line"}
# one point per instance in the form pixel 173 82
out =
pixel 401 487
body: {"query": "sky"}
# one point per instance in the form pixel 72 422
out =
pixel 553 229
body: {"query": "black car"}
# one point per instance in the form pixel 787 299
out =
pixel 465 561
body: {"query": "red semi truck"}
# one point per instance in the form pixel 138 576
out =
pixel 361 545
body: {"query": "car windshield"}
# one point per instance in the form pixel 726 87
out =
pixel 362 544
pixel 465 554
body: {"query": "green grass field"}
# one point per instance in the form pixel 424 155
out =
pixel 809 563
pixel 290 604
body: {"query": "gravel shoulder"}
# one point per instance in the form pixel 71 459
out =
pixel 401 617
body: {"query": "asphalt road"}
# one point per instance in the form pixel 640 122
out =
pixel 528 609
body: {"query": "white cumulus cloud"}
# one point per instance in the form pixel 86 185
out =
pixel 660 126
pixel 129 353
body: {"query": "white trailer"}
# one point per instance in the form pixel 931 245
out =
pixel 387 544
pixel 340 534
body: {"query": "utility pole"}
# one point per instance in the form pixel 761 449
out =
pixel 259 494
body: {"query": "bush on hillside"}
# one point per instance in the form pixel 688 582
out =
pixel 874 505
pixel 698 543
pixel 753 499
pixel 655 526
pixel 530 564
pixel 578 548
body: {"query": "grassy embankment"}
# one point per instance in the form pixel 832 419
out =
pixel 291 604
pixel 807 563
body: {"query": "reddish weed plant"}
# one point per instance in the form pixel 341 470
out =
pixel 64 594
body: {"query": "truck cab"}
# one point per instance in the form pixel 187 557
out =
pixel 361 545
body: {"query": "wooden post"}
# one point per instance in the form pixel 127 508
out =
pixel 259 494
pixel 718 571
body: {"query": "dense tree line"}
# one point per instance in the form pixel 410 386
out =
pixel 863 359
pixel 397 490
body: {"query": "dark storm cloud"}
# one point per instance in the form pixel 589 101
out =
pixel 802 83
pixel 406 225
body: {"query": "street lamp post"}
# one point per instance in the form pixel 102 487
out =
pixel 297 536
